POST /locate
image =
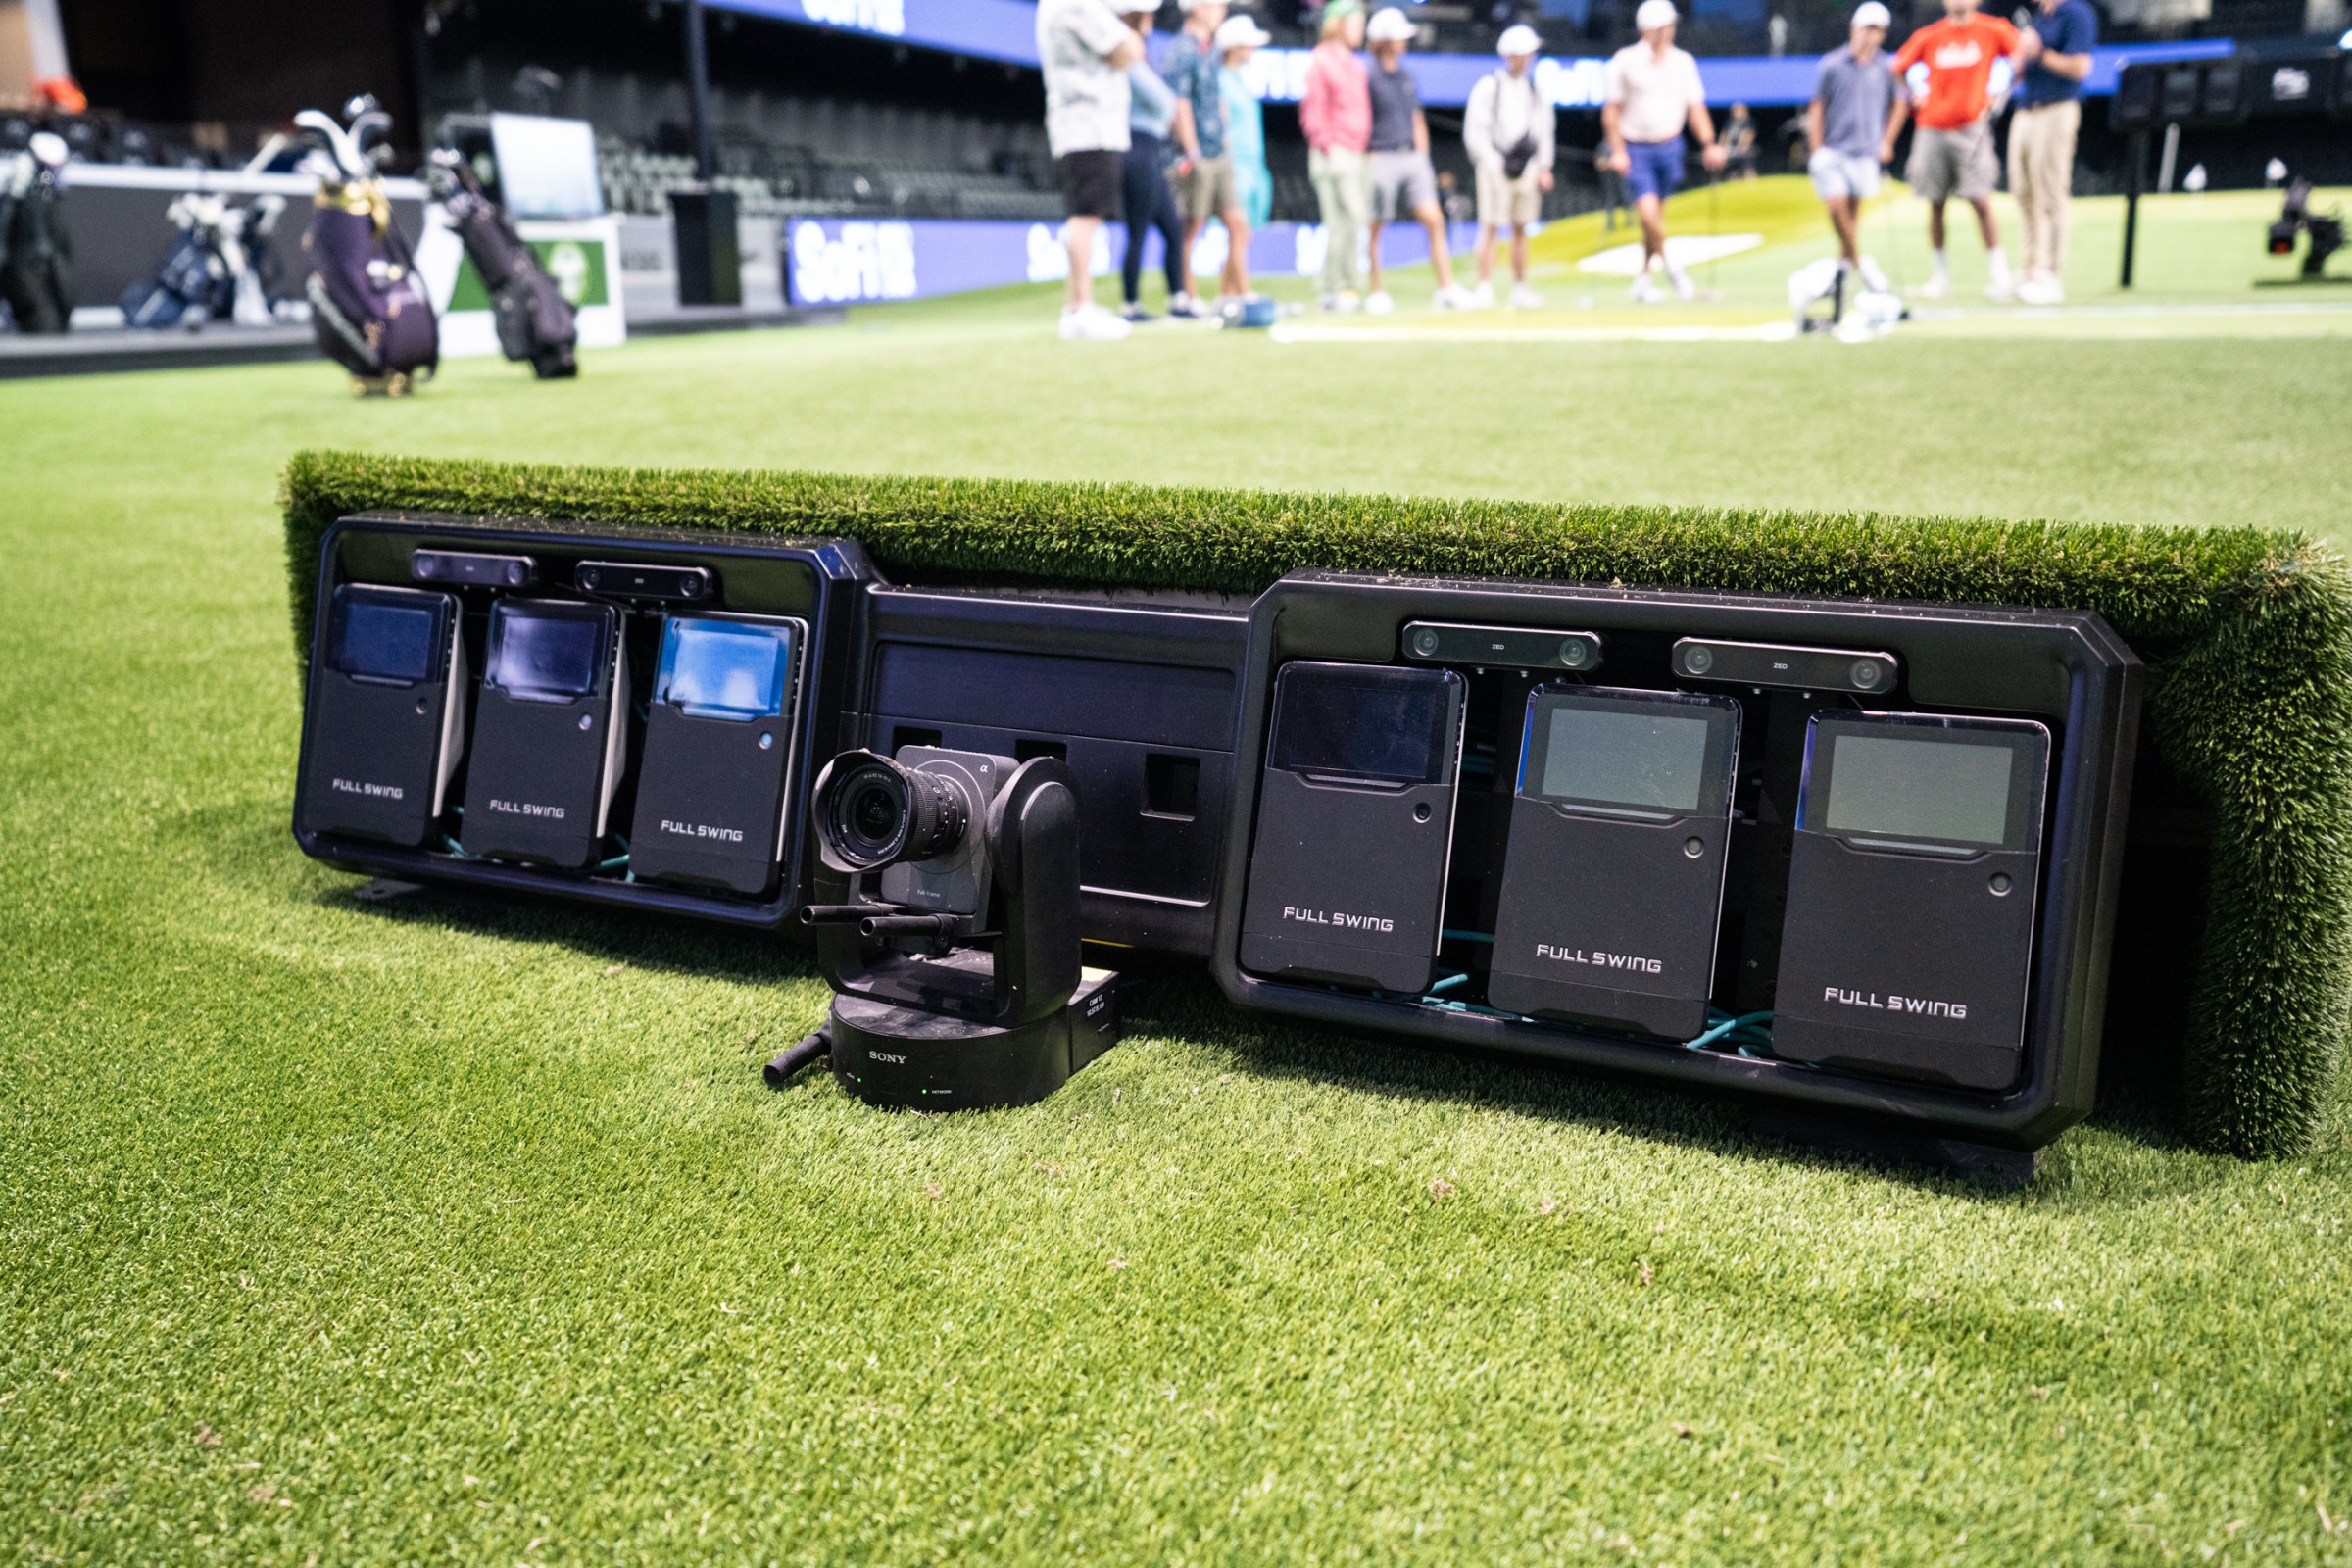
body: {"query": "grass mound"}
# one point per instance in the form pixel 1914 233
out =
pixel 2248 634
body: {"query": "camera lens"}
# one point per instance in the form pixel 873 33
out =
pixel 1424 641
pixel 883 814
pixel 1698 659
pixel 1866 674
pixel 1576 654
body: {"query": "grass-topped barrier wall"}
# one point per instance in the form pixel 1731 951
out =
pixel 2229 993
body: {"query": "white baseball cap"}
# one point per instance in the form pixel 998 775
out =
pixel 1517 39
pixel 1241 32
pixel 1391 26
pixel 1187 6
pixel 1871 13
pixel 1655 14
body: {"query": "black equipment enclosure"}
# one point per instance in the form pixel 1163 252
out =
pixel 1137 692
pixel 1612 886
pixel 548 730
pixel 948 928
pixel 1909 941
pixel 2062 671
pixel 1347 875
pixel 391 692
pixel 713 785
pixel 813 591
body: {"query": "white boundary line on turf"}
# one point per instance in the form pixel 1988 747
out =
pixel 2062 313
pixel 1762 332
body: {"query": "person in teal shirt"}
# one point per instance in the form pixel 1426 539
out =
pixel 1244 118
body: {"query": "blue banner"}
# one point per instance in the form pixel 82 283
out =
pixel 1007 30
pixel 856 260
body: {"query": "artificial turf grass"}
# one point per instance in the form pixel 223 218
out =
pixel 415 1208
pixel 2248 636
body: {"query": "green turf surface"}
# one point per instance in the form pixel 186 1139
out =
pixel 451 1232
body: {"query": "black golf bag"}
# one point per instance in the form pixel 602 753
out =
pixel 367 304
pixel 33 248
pixel 536 323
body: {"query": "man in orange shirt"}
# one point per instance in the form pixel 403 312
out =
pixel 1948 70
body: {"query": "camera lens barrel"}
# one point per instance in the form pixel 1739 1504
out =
pixel 880 812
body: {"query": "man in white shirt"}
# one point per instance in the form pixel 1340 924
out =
pixel 1507 129
pixel 1653 92
pixel 1086 50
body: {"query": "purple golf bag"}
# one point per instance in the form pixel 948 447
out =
pixel 367 304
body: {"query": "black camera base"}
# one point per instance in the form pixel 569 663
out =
pixel 914 1060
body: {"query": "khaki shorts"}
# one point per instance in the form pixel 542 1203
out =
pixel 1953 163
pixel 1508 203
pixel 1209 191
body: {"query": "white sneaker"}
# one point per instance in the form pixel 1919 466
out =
pixel 1454 297
pixel 1647 290
pixel 1936 288
pixel 1682 287
pixel 2042 289
pixel 1876 276
pixel 1482 298
pixel 1092 323
pixel 1346 303
pixel 1523 298
pixel 1378 303
pixel 2000 290
pixel 1185 308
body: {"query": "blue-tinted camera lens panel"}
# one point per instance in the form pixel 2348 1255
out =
pixel 725 669
pixel 377 640
pixel 541 656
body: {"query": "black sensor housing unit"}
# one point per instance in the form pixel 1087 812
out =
pixel 391 727
pixel 1511 884
pixel 473 568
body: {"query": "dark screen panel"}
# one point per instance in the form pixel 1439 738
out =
pixel 1384 724
pixel 384 641
pixel 544 658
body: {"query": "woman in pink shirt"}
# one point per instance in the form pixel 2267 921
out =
pixel 1336 112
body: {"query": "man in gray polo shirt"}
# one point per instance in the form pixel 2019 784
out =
pixel 1852 126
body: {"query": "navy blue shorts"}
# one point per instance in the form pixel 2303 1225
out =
pixel 1657 169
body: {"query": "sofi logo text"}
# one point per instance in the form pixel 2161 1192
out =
pixel 862 262
pixel 868 15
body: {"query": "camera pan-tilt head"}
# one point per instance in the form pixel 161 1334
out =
pixel 948 926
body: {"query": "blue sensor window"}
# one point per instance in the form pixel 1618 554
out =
pixel 543 657
pixel 385 642
pixel 725 669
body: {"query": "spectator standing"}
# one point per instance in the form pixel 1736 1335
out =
pixel 1336 114
pixel 1149 206
pixel 1205 185
pixel 1246 118
pixel 1404 182
pixel 1947 71
pixel 1653 93
pixel 1509 131
pixel 1740 143
pixel 1085 50
pixel 1850 125
pixel 2041 138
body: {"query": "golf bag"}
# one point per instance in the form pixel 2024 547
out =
pixel 217 270
pixel 33 248
pixel 367 303
pixel 536 323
